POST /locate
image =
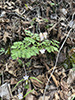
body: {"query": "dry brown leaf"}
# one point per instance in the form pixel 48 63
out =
pixel 11 69
pixel 72 51
pixel 5 36
pixel 64 86
pixel 37 65
pixel 13 81
pixel 38 84
pixel 25 23
pixel 61 95
pixel 55 81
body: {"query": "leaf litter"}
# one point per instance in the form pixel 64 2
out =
pixel 51 20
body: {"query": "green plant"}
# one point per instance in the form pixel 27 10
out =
pixel 26 6
pixel 28 93
pixel 49 25
pixel 31 45
pixel 53 4
pixel 33 21
pixel 73 67
pixel 2 50
pixel 20 61
pixel 26 79
pixel 45 20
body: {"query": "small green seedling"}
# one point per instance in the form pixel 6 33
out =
pixel 26 79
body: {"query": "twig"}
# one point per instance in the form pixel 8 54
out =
pixel 56 62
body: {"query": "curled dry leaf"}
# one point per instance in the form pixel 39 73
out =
pixel 72 51
pixel 37 65
pixel 55 81
pixel 38 84
pixel 64 86
pixel 5 36
pixel 11 69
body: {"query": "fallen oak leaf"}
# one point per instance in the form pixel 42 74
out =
pixel 5 36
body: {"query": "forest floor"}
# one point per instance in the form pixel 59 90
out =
pixel 48 75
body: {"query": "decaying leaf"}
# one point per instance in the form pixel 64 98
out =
pixel 11 68
pixel 55 81
pixel 5 36
pixel 64 86
pixel 72 51
pixel 50 19
pixel 38 84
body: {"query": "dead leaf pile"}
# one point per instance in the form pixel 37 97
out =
pixel 51 19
